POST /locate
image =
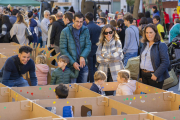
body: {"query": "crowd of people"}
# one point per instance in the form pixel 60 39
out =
pixel 90 51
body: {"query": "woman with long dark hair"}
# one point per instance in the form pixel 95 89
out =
pixel 6 26
pixel 154 58
pixel 121 32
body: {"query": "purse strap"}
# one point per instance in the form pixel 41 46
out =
pixel 136 36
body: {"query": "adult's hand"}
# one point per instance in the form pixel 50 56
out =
pixel 153 77
pixel 82 62
pixel 76 66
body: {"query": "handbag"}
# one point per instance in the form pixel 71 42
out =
pixel 28 34
pixel 137 43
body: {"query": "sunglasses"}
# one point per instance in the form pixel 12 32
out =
pixel 110 32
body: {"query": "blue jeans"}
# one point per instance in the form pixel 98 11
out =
pixel 20 82
pixel 127 56
pixel 44 43
pixel 82 77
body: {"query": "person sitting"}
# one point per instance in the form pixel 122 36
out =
pixel 17 65
pixel 63 74
pixel 99 78
pixel 126 86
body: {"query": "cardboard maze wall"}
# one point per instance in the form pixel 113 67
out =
pixel 140 87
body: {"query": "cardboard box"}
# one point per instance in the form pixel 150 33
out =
pixel 157 102
pixel 48 92
pixel 141 116
pixel 112 86
pixel 169 115
pixel 23 110
pixel 98 106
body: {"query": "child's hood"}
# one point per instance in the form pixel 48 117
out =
pixel 43 68
pixel 131 84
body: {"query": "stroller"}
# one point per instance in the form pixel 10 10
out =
pixel 174 56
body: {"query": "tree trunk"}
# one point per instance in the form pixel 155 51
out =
pixel 136 8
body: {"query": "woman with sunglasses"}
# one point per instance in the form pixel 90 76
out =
pixel 101 22
pixel 109 54
pixel 154 58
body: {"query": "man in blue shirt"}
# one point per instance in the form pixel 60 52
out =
pixel 17 65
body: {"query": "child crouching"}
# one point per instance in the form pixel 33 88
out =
pixel 126 86
pixel 99 78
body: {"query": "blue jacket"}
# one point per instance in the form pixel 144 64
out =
pixel 67 111
pixel 156 14
pixel 94 31
pixel 32 26
pixel 68 46
pixel 160 60
pixel 174 32
pixel 10 71
pixel 95 88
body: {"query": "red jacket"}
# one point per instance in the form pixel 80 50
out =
pixel 166 17
pixel 175 16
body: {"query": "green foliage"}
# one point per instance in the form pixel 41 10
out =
pixel 130 2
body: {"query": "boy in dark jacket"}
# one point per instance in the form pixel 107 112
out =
pixel 63 74
pixel 99 78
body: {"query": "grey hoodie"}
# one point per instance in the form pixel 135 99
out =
pixel 131 39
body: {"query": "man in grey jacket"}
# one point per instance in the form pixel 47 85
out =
pixel 44 27
pixel 131 39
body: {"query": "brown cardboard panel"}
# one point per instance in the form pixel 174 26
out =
pixel 112 86
pixel 100 105
pixel 23 110
pixel 175 101
pixel 16 96
pixel 169 115
pixel 141 116
pixel 48 92
pixel 2 85
pixel 148 102
pixel 39 111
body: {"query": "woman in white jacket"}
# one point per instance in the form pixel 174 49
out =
pixel 18 30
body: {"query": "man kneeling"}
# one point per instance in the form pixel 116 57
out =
pixel 17 65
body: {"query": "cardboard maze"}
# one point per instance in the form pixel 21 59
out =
pixel 48 92
pixel 14 106
pixel 140 87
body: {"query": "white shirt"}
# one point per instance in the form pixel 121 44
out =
pixel 146 59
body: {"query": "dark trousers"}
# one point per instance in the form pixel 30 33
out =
pixel 91 67
pixel 166 28
pixel 109 79
pixel 146 79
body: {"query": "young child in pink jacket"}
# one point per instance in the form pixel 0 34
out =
pixel 42 70
pixel 126 86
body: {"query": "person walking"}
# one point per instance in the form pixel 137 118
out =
pixel 94 31
pixel 131 39
pixel 44 27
